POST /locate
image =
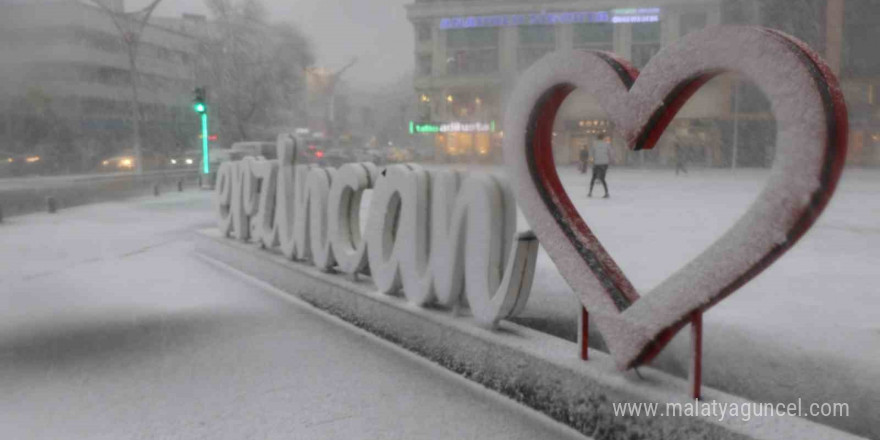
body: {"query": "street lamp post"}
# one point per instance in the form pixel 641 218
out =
pixel 201 107
pixel 735 123
pixel 131 26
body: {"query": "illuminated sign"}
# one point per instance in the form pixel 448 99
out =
pixel 634 15
pixel 524 19
pixel 452 127
pixel 636 19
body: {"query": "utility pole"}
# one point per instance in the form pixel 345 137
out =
pixel 131 26
pixel 735 123
pixel 331 111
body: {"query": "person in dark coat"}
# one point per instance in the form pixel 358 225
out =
pixel 601 156
pixel 584 158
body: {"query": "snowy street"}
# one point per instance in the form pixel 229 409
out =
pixel 113 328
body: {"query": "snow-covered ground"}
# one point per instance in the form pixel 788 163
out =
pixel 112 284
pixel 808 327
pixel 112 328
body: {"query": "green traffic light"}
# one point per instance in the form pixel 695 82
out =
pixel 199 107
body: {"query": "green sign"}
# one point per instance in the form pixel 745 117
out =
pixel 452 127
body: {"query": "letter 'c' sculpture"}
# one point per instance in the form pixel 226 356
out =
pixel 443 237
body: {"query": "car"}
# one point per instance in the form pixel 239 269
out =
pixel 267 150
pixel 23 165
pixel 118 163
pixel 365 155
pixel 125 160
pixel 336 157
pixel 186 159
pixel 216 157
pixel 398 154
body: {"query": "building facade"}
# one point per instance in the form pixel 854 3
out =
pixel 468 55
pixel 72 53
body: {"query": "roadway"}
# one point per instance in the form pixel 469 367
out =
pixel 112 327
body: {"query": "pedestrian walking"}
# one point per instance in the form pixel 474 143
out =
pixel 584 158
pixel 601 156
pixel 679 158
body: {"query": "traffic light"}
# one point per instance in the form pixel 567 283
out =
pixel 201 107
pixel 199 100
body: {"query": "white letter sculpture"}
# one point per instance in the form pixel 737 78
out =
pixel 441 237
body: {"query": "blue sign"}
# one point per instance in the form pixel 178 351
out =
pixel 643 15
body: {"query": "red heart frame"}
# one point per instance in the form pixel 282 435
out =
pixel 571 243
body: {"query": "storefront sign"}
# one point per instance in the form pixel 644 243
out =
pixel 640 15
pixel 452 127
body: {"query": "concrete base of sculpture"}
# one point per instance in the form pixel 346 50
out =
pixel 536 369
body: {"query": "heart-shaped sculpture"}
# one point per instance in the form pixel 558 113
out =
pixel 811 147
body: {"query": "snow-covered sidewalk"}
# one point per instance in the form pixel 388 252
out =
pixel 110 327
pixel 808 327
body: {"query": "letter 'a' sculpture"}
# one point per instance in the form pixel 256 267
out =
pixel 811 147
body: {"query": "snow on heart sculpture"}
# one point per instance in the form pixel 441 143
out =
pixel 811 146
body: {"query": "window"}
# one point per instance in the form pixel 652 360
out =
pixel 99 40
pixel 691 21
pixel 423 64
pixel 861 34
pixel 423 32
pixel 534 43
pixel 594 36
pixel 109 76
pixel 472 51
pixel 646 42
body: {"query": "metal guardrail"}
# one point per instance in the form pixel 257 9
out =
pixel 33 194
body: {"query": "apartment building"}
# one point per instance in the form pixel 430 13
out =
pixel 468 55
pixel 72 53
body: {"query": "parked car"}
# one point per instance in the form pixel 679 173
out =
pixel 267 150
pixel 336 157
pixel 398 155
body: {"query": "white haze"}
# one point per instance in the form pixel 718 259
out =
pixel 378 33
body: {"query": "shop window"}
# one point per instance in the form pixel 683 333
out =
pixel 423 32
pixel 594 36
pixel 472 51
pixel 646 42
pixel 423 64
pixel 534 43
pixel 691 21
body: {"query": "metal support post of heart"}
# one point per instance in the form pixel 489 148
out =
pixel 695 375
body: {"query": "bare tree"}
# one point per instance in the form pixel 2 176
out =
pixel 254 69
pixel 131 26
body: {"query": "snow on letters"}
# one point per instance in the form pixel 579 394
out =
pixel 433 235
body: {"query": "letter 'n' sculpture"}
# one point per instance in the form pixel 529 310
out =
pixel 811 147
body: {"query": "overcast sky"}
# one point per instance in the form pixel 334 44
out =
pixel 376 31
